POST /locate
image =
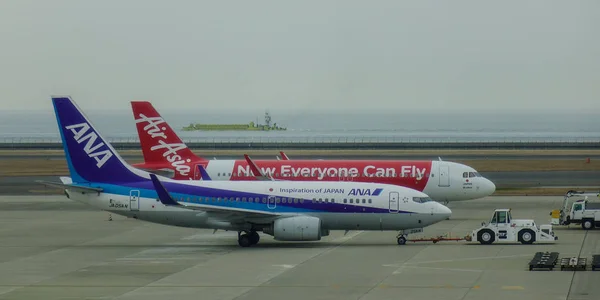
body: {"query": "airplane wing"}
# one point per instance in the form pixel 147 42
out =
pixel 227 213
pixel 70 186
pixel 256 171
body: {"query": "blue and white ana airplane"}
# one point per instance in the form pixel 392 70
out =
pixel 287 210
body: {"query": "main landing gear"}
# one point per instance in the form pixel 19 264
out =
pixel 247 239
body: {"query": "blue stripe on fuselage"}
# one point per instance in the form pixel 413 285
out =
pixel 190 194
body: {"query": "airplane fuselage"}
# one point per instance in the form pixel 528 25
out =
pixel 441 180
pixel 339 208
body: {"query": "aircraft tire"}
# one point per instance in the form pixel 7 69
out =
pixel 244 240
pixel 254 237
pixel 401 240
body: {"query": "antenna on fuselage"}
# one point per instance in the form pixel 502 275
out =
pixel 440 158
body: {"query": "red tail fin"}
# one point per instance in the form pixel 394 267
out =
pixel 160 144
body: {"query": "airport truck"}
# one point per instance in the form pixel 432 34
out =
pixel 581 211
pixel 503 228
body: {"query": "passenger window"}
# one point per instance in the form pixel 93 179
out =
pixel 295 200
pixel 283 200
pixel 277 200
pixel 345 200
pixel 369 200
pixel 364 200
pixel 351 201
pixel 264 200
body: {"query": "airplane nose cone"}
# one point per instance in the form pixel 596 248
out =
pixel 443 211
pixel 489 187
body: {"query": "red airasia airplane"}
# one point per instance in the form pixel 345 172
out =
pixel 165 154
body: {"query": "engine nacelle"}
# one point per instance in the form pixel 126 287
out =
pixel 300 228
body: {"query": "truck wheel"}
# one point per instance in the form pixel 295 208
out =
pixel 486 236
pixel 526 236
pixel 587 224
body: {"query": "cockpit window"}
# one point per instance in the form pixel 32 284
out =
pixel 471 174
pixel 421 199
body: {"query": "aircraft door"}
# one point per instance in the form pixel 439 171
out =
pixel 271 202
pixel 394 202
pixel 577 211
pixel 444 175
pixel 134 200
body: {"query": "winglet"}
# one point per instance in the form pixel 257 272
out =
pixel 255 170
pixel 283 156
pixel 163 194
pixel 203 173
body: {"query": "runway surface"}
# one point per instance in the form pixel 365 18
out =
pixel 53 248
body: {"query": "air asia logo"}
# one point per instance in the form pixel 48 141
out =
pixel 81 132
pixel 365 192
pixel 170 150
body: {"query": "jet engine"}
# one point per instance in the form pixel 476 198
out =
pixel 300 228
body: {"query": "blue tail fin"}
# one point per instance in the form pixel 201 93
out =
pixel 90 157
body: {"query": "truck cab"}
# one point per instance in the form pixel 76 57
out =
pixel 585 213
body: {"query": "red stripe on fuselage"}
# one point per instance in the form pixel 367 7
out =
pixel 412 174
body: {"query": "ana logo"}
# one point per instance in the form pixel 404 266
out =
pixel 80 134
pixel 170 153
pixel 365 192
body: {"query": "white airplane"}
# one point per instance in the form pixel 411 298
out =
pixel 166 154
pixel 287 210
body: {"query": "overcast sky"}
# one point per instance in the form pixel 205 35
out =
pixel 379 55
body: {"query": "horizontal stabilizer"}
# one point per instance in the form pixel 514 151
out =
pixel 77 188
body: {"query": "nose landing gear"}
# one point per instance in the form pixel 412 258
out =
pixel 401 239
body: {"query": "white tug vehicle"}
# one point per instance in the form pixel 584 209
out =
pixel 504 229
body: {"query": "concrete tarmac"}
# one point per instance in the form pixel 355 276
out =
pixel 53 248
